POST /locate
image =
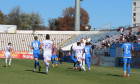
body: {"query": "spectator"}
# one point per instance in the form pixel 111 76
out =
pixel 61 54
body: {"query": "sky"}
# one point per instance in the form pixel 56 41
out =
pixel 114 12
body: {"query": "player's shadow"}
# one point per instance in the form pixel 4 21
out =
pixel 70 69
pixel 35 71
pixel 30 70
pixel 114 75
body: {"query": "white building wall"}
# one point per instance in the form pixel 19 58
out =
pixel 136 13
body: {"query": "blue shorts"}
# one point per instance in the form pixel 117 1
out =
pixel 74 60
pixel 54 56
pixel 36 54
pixel 88 59
pixel 127 60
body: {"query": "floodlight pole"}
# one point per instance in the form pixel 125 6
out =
pixel 77 15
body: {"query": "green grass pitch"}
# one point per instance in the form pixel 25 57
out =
pixel 21 73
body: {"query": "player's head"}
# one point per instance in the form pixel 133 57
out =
pixel 87 43
pixel 9 44
pixel 47 36
pixel 78 43
pixel 35 37
pixel 128 40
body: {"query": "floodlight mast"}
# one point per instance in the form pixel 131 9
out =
pixel 77 15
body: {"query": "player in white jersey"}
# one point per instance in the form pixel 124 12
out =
pixel 83 56
pixel 46 46
pixel 8 53
pixel 78 50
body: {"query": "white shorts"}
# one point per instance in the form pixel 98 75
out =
pixel 7 54
pixel 47 57
pixel 79 58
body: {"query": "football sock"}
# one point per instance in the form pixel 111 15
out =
pixel 35 65
pixel 52 61
pixel 6 60
pixel 47 66
pixel 88 64
pixel 56 62
pixel 77 65
pixel 84 64
pixel 74 64
pixel 128 69
pixel 124 66
pixel 10 61
pixel 37 62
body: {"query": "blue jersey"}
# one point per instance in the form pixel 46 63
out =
pixel 87 50
pixel 127 48
pixel 35 44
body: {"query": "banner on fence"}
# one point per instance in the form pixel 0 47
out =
pixel 18 55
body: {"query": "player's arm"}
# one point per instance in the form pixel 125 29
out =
pixel 132 48
pixel 122 48
pixel 11 50
pixel 73 53
pixel 41 46
pixel 91 52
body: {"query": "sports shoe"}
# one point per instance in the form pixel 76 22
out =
pixel 124 75
pixel 73 68
pixel 39 68
pixel 53 65
pixel 76 68
pixel 34 70
pixel 56 65
pixel 128 75
pixel 84 69
pixel 89 69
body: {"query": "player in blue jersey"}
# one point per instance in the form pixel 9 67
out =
pixel 35 45
pixel 88 52
pixel 73 57
pixel 54 56
pixel 127 48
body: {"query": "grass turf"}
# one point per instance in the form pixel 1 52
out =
pixel 21 72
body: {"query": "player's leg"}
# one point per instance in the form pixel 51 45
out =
pixel 47 65
pixel 128 66
pixel 56 61
pixel 52 59
pixel 10 59
pixel 77 65
pixel 80 63
pixel 83 61
pixel 34 66
pixel 37 63
pixel 125 62
pixel 6 58
pixel 88 62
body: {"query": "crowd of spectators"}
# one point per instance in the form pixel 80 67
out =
pixel 133 36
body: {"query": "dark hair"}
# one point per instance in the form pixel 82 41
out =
pixel 128 39
pixel 47 36
pixel 78 43
pixel 87 43
pixel 35 38
pixel 9 43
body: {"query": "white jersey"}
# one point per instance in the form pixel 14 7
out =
pixel 47 49
pixel 7 53
pixel 7 48
pixel 78 51
pixel 82 45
